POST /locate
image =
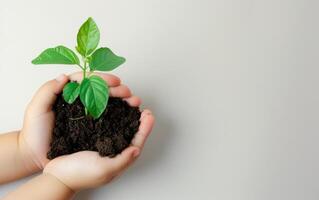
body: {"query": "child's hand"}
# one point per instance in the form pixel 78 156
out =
pixel 87 169
pixel 38 124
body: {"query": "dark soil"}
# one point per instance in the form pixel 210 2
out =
pixel 108 135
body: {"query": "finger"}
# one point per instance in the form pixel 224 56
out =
pixel 133 101
pixel 111 80
pixel 123 160
pixel 121 91
pixel 146 126
pixel 45 97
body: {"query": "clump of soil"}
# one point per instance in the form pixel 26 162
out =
pixel 108 135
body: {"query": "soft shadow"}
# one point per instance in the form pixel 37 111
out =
pixel 161 138
pixel 84 195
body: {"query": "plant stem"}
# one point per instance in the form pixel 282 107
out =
pixel 85 67
pixel 85 61
pixel 80 66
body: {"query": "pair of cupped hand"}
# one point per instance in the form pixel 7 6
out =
pixel 85 169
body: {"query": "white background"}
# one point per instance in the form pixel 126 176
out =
pixel 233 85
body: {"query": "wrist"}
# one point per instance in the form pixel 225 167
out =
pixel 58 184
pixel 27 155
pixel 44 186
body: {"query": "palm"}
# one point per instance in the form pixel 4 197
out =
pixel 39 118
pixel 86 169
pixel 37 134
pixel 84 166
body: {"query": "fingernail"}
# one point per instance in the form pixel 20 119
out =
pixel 60 77
pixel 136 153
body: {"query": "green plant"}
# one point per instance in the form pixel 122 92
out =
pixel 93 90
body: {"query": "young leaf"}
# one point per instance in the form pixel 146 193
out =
pixel 88 37
pixel 104 59
pixel 57 55
pixel 71 91
pixel 94 95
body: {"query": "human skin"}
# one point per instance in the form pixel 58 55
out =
pixel 24 152
pixel 44 186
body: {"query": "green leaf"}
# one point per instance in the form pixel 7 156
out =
pixel 94 95
pixel 104 59
pixel 71 91
pixel 57 55
pixel 88 37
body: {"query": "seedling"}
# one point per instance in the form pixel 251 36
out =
pixel 93 90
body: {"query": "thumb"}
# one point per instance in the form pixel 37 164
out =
pixel 45 97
